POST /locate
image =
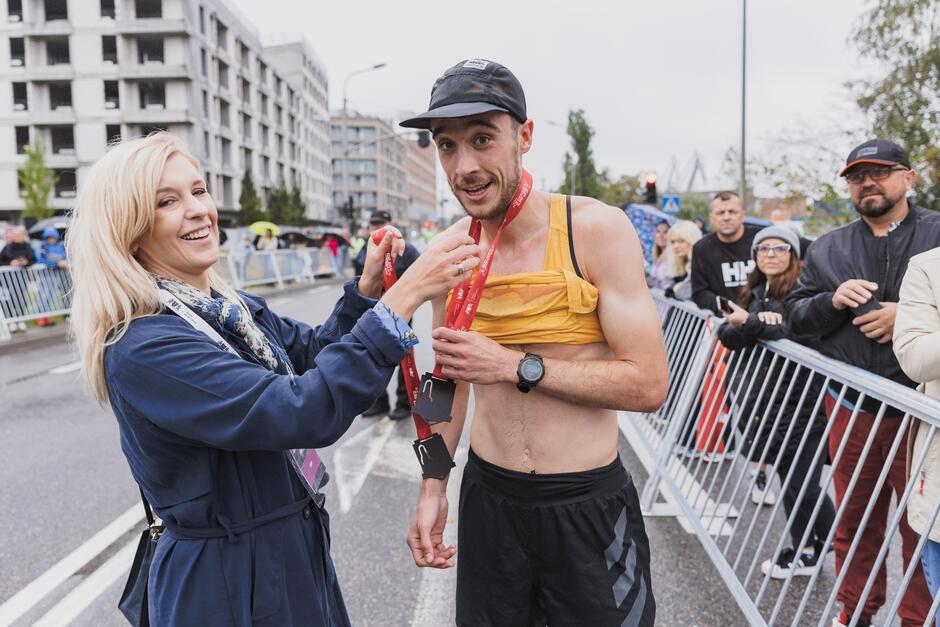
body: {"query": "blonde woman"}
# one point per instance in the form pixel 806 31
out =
pixel 220 402
pixel 682 236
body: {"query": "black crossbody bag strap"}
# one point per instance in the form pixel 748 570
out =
pixel 147 510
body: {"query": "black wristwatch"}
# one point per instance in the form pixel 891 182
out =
pixel 530 371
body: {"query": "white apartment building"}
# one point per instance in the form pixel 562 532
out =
pixel 422 182
pixel 76 74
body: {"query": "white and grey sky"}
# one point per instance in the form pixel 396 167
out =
pixel 658 80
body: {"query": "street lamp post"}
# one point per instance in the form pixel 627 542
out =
pixel 743 100
pixel 371 68
pixel 572 171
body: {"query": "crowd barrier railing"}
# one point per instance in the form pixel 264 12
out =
pixel 40 292
pixel 782 407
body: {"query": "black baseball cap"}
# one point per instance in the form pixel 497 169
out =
pixel 877 151
pixel 472 86
pixel 380 217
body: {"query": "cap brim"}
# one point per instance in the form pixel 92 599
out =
pixel 456 110
pixel 872 161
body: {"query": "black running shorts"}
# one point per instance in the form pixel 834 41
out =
pixel 558 549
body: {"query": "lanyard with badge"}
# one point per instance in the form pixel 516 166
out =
pixel 432 398
pixel 306 462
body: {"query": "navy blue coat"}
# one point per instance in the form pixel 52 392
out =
pixel 204 433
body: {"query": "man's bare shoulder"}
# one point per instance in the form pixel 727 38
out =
pixel 601 233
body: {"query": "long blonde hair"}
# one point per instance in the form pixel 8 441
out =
pixel 688 231
pixel 114 210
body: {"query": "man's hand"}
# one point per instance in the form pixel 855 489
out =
pixel 853 293
pixel 474 358
pixel 738 315
pixel 878 325
pixel 426 536
pixel 770 318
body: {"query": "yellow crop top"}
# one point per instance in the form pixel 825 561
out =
pixel 553 306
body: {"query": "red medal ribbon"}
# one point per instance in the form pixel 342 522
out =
pixel 467 296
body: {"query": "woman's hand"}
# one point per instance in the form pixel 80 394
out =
pixel 439 269
pixel 372 282
pixel 770 318
pixel 738 315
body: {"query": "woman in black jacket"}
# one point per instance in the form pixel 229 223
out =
pixel 759 316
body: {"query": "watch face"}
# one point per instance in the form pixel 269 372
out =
pixel 530 369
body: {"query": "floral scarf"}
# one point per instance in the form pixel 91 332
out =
pixel 223 315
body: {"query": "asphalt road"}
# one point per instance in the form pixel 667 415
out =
pixel 64 480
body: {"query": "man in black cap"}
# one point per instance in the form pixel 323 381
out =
pixel 847 295
pixel 381 406
pixel 566 334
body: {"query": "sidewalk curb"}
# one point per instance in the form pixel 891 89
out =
pixel 41 337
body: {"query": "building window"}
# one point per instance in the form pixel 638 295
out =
pixel 245 57
pixel 224 114
pixel 109 49
pixel 202 19
pixel 15 10
pixel 206 148
pixel 227 196
pixel 204 63
pixel 264 105
pixel 56 10
pixel 246 92
pixel 63 140
pixel 65 183
pixel 246 126
pixel 112 99
pixel 221 36
pixel 152 95
pixel 107 8
pixel 57 51
pixel 148 8
pixel 22 139
pixel 17 52
pixel 150 50
pixel 112 133
pixel 205 104
pixel 60 95
pixel 226 153
pixel 222 69
pixel 20 99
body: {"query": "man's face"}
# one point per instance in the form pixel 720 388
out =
pixel 481 156
pixel 874 198
pixel 19 236
pixel 727 216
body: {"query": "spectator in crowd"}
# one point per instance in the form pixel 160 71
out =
pixel 19 252
pixel 847 295
pixel 52 287
pixel 267 242
pixel 701 224
pixel 242 253
pixel 758 315
pixel 332 243
pixel 722 260
pixel 682 238
pixel 381 406
pixel 917 347
pixel 660 273
pixel 219 400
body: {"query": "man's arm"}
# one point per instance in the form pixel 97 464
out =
pixel 636 379
pixel 702 295
pixel 809 308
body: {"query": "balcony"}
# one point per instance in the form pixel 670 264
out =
pixel 55 28
pixel 152 26
pixel 156 116
pixel 142 71
pixel 65 159
pixel 59 72
pixel 62 115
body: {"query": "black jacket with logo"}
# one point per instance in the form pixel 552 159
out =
pixel 720 269
pixel 854 252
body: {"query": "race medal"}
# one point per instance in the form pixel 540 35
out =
pixel 434 457
pixel 436 399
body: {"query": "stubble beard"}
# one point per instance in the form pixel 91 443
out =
pixel 875 209
pixel 498 210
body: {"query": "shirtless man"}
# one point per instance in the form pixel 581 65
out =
pixel 566 334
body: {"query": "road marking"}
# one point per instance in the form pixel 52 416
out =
pixel 355 458
pixel 67 368
pixel 93 586
pixel 35 591
pixel 436 589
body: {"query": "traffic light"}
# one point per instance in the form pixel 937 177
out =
pixel 348 208
pixel 424 139
pixel 650 196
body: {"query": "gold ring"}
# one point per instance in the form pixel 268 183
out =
pixel 460 269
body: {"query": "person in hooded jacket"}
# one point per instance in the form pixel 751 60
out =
pixel 52 284
pixel 759 316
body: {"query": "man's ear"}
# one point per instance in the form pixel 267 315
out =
pixel 525 136
pixel 909 177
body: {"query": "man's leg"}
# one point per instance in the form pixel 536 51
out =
pixel 859 568
pixel 402 406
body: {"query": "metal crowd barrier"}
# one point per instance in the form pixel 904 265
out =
pixel 40 292
pixel 750 397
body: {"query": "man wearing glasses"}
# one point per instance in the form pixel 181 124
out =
pixel 847 295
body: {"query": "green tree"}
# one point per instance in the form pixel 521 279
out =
pixel 36 183
pixel 693 204
pixel 249 202
pixel 279 205
pixel 587 180
pixel 621 191
pixel 904 37
pixel 296 207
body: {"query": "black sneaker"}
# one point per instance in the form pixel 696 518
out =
pixel 802 565
pixel 399 413
pixel 379 408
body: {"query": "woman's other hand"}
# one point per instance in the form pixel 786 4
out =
pixel 372 282
pixel 770 318
pixel 738 315
pixel 441 267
